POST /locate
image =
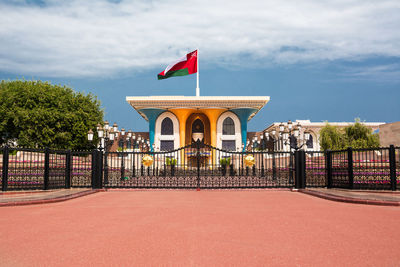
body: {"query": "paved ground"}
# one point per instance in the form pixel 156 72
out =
pixel 206 228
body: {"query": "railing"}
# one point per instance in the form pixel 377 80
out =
pixel 43 169
pixel 367 169
pixel 199 166
pixel 81 169
pixel 316 175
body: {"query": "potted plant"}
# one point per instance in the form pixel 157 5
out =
pixel 171 162
pixel 224 162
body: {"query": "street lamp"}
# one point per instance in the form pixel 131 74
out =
pixel 105 134
pixel 90 135
pixel 122 155
pixel 291 135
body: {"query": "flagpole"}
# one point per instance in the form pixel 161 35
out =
pixel 197 85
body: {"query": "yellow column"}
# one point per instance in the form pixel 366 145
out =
pixel 213 115
pixel 182 115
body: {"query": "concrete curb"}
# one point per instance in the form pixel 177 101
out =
pixel 51 200
pixel 349 199
pixel 25 192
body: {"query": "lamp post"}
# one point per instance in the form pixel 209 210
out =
pixel 269 137
pixel 106 135
pixel 90 135
pixel 292 136
pixel 122 155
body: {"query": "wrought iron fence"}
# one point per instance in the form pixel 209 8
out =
pixel 375 169
pixel 371 169
pixel 1 167
pixel 27 168
pixel 316 174
pixel 340 169
pixel 81 168
pixel 199 166
pixel 30 169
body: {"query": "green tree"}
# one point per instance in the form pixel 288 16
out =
pixel 360 136
pixel 355 136
pixel 331 137
pixel 39 114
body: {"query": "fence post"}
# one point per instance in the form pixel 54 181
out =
pixel 105 155
pixel 350 167
pixel 273 166
pixel 68 170
pixel 300 169
pixel 392 160
pixel 262 164
pixel 328 162
pixel 94 168
pixel 122 166
pixel 100 170
pixel 46 168
pixel 291 169
pixel 198 163
pixel 5 169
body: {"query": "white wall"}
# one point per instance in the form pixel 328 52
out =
pixel 157 135
pixel 237 136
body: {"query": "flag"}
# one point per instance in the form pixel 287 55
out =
pixel 183 66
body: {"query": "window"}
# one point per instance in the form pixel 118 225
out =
pixel 310 142
pixel 166 145
pixel 167 127
pixel 228 127
pixel 229 145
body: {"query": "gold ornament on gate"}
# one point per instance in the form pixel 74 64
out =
pixel 249 161
pixel 147 160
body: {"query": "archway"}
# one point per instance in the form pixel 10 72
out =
pixel 197 123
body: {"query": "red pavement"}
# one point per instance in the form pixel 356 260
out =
pixel 206 228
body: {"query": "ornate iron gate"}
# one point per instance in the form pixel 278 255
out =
pixel 198 166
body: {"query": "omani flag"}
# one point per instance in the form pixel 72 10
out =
pixel 183 66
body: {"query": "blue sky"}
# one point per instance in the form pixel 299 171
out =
pixel 333 61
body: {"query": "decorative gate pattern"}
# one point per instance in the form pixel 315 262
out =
pixel 198 166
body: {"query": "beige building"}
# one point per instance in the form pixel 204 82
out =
pixel 276 136
pixel 389 134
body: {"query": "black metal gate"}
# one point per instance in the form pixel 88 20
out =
pixel 198 166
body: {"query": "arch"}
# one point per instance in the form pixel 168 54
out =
pixel 232 137
pixel 228 126
pixel 314 141
pixel 310 142
pixel 166 120
pixel 167 126
pixel 190 122
pixel 198 126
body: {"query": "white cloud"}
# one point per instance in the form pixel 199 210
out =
pixel 91 38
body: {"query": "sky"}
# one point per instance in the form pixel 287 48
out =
pixel 318 60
